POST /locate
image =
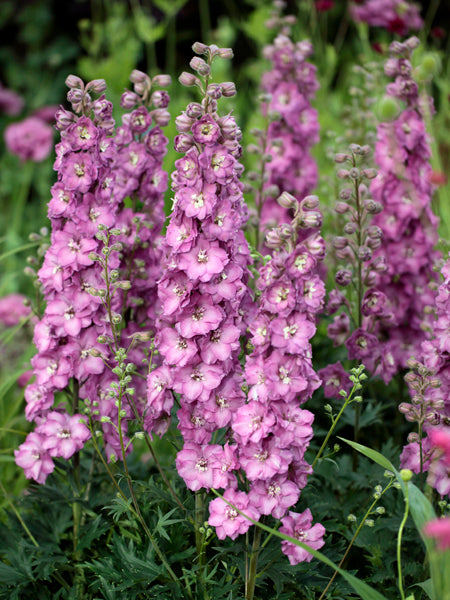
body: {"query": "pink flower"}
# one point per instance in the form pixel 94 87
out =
pixel 34 459
pixel 439 529
pixel 201 466
pixel 63 434
pixel 31 139
pixel 299 526
pixel 226 519
pixel 12 309
pixel 440 437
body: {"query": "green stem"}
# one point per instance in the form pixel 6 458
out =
pixel 399 543
pixel 251 582
pixel 17 218
pixel 335 422
pixel 355 535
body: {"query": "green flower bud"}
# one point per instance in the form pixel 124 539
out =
pixel 388 109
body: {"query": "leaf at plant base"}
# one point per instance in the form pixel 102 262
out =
pixel 372 454
pixel 427 587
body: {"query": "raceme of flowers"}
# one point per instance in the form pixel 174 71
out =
pixel 409 227
pixel 292 128
pixel 98 276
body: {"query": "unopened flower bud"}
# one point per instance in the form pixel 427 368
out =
pixel 74 82
pixel 354 173
pixel 199 65
pixel 287 200
pixel 372 207
pixel 341 208
pixel 161 116
pixel 188 79
pixel 214 91
pixel 163 80
pixel 350 228
pixel 406 475
pixel 310 202
pixel 225 53
pixel 341 158
pixel 345 194
pixel 343 277
pixel 193 111
pixel 199 48
pixel 364 253
pixel 369 173
pixel 183 142
pixel 98 86
pixel 340 242
pixel 274 239
pixel 228 89
pixel 343 174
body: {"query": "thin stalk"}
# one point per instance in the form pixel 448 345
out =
pixel 251 581
pixel 200 538
pixel 359 314
pixel 399 544
pixel 335 422
pixel 17 218
pixel 355 535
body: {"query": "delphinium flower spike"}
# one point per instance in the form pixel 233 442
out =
pixel 397 16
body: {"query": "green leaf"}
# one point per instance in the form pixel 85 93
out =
pixel 373 455
pixel 427 587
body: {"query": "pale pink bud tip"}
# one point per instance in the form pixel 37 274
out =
pixel 98 86
pixel 162 80
pixel 74 82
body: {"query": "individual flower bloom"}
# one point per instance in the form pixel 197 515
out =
pixel 375 303
pixel 260 330
pixel 140 120
pixel 264 460
pixel 63 202
pixel 299 526
pixel 226 285
pixel 339 329
pixel 13 310
pixel 363 346
pixel 174 292
pixel 200 466
pixel 313 293
pixel 440 438
pixel 203 261
pixel 39 399
pixel 217 164
pixel 292 333
pixel 78 171
pixel 176 349
pixel 221 343
pixel 69 313
pixel 300 262
pixel 194 425
pixel 72 248
pixel 81 135
pixel 224 401
pixel 63 434
pixel 181 234
pixel 439 530
pixel 133 159
pixel 274 496
pixel 285 375
pixel 79 350
pixel 252 422
pixel 293 425
pixel 197 381
pixel 257 377
pixel 199 317
pixel 226 519
pixel 34 459
pixel 159 394
pixel 51 370
pixel 410 456
pixel 439 477
pixel 334 378
pixel 156 142
pixel 205 130
pixel 31 139
pixel 187 169
pixel 195 201
pixel 279 298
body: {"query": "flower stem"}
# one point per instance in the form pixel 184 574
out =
pixel 251 582
pixel 399 543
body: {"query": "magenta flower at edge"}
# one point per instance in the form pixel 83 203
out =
pixel 439 529
pixel 30 139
